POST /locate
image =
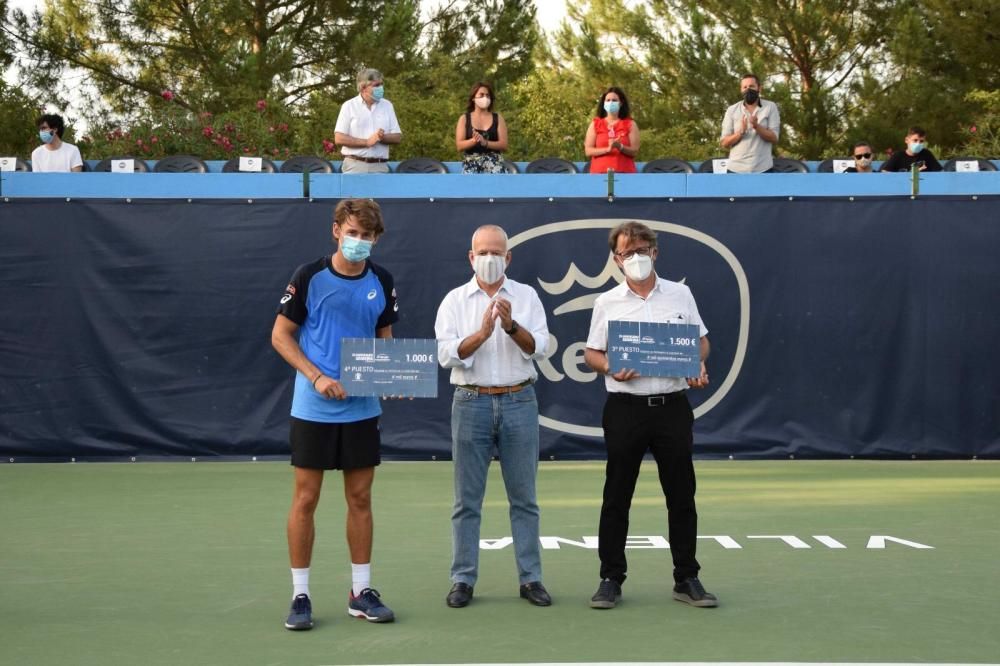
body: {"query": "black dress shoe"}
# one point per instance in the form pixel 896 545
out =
pixel 536 594
pixel 459 596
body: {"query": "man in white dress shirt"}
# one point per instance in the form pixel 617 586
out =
pixel 646 414
pixel 750 129
pixel 489 332
pixel 54 155
pixel 367 126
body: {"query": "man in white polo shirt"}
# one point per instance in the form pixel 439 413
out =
pixel 54 155
pixel 367 126
pixel 750 129
pixel 646 414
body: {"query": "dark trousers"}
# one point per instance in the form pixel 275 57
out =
pixel 634 425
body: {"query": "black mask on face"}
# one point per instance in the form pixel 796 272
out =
pixel 751 96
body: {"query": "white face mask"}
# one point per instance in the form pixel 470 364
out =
pixel 638 267
pixel 865 162
pixel 483 102
pixel 489 267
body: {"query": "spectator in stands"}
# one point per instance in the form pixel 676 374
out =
pixel 862 158
pixel 612 140
pixel 367 126
pixel 481 148
pixel 916 153
pixel 54 155
pixel 750 129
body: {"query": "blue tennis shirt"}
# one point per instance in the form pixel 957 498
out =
pixel 329 306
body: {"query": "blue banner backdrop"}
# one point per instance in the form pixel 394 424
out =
pixel 838 328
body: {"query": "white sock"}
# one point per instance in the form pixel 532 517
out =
pixel 361 577
pixel 300 582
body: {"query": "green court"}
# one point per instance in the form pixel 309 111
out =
pixel 174 563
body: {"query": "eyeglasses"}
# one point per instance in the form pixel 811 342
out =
pixel 628 254
pixel 863 156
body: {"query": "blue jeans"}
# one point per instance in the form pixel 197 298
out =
pixel 508 421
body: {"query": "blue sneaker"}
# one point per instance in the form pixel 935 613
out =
pixel 369 605
pixel 300 617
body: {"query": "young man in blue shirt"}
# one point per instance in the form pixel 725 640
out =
pixel 343 295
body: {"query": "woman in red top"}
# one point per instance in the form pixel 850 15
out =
pixel 612 139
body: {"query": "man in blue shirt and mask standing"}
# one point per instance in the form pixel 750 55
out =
pixel 340 296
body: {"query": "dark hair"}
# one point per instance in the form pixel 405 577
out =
pixel 751 76
pixel 862 143
pixel 54 121
pixel 365 211
pixel 472 96
pixel 916 129
pixel 623 111
pixel 631 230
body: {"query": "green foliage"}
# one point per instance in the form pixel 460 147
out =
pixel 261 130
pixel 18 136
pixel 982 137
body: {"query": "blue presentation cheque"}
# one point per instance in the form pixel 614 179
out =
pixel 654 349
pixel 405 367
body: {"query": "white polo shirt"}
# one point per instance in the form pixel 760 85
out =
pixel 499 361
pixel 357 120
pixel 752 154
pixel 62 159
pixel 668 302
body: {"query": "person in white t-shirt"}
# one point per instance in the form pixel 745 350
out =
pixel 366 126
pixel 54 155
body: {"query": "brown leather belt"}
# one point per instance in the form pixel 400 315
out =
pixel 496 390
pixel 370 160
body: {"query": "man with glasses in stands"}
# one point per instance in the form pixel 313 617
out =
pixel 367 126
pixel 862 159
pixel 646 414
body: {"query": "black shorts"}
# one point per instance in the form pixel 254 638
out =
pixel 354 445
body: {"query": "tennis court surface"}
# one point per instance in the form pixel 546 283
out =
pixel 813 561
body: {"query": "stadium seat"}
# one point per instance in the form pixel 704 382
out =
pixel 667 165
pixel 138 164
pixel 421 165
pixel 510 167
pixel 181 164
pixel 302 163
pixel 551 165
pixel 233 166
pixel 984 164
pixel 788 165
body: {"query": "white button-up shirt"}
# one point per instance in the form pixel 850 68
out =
pixel 357 120
pixel 499 361
pixel 668 302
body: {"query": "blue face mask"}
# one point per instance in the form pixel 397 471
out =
pixel 355 249
pixel 46 136
pixel 612 107
pixel 916 147
pixel 378 92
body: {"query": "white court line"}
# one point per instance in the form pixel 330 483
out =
pixel 709 663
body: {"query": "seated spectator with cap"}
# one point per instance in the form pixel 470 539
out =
pixel 366 127
pixel 54 155
pixel 916 153
pixel 862 158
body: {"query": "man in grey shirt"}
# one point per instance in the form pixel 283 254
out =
pixel 749 129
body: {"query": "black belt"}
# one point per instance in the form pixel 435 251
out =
pixel 658 400
pixel 370 160
pixel 495 390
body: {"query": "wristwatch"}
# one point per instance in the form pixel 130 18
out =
pixel 513 328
